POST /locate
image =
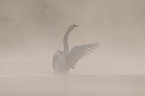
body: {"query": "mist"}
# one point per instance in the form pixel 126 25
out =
pixel 32 30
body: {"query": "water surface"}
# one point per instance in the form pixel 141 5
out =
pixel 49 84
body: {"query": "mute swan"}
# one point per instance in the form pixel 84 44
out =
pixel 64 60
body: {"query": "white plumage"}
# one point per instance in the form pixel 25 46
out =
pixel 64 61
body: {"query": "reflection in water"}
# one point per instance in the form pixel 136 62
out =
pixel 66 87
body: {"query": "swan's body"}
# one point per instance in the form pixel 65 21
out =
pixel 63 61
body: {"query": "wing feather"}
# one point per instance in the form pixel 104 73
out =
pixel 78 52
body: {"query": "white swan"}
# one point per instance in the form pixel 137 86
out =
pixel 64 60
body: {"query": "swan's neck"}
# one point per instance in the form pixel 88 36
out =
pixel 65 41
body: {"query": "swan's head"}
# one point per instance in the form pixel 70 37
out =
pixel 73 26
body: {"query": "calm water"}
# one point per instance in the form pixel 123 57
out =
pixel 44 84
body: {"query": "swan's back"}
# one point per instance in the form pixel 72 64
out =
pixel 56 59
pixel 59 63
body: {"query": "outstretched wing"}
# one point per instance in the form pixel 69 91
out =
pixel 78 52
